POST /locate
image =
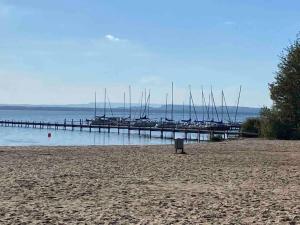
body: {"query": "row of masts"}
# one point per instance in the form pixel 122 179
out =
pixel 209 109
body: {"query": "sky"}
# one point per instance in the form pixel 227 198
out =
pixel 62 51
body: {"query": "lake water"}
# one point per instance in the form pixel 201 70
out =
pixel 26 137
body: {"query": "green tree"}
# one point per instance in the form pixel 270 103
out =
pixel 285 90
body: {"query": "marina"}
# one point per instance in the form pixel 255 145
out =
pixel 193 123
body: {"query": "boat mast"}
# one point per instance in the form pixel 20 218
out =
pixel 203 109
pixel 190 106
pixel 227 111
pixel 129 102
pixel 149 98
pixel 222 107
pixel 212 105
pixel 110 108
pixel 195 112
pixel 183 109
pixel 95 104
pixel 141 105
pixel 172 110
pixel 166 109
pixel 238 102
pixel 208 107
pixel 104 102
pixel 144 114
pixel 145 102
pixel 124 106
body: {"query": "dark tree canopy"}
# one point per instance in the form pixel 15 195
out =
pixel 285 90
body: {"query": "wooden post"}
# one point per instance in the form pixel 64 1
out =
pixel 211 134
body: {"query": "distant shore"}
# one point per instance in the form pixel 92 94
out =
pixel 249 181
pixel 118 108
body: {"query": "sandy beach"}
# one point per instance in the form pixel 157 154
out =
pixel 233 182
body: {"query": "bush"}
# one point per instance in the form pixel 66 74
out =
pixel 251 125
pixel 273 127
pixel 216 138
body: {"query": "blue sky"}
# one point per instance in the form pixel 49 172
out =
pixel 59 52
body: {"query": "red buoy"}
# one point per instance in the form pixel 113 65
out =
pixel 49 135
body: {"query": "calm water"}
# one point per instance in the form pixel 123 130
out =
pixel 25 137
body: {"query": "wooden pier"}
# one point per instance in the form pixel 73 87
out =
pixel 230 131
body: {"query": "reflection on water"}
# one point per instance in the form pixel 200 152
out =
pixel 13 136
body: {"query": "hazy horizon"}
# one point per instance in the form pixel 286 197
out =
pixel 100 105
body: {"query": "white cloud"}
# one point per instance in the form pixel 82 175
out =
pixel 110 37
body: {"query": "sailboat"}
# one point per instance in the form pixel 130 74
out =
pixel 104 119
pixel 126 119
pixel 218 124
pixel 187 123
pixel 201 123
pixel 144 120
pixel 166 122
pixel 236 123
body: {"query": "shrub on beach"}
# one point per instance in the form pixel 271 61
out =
pixel 216 138
pixel 251 125
pixel 274 127
pixel 271 125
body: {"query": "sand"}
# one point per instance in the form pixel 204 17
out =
pixel 235 182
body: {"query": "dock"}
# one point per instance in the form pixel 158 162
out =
pixel 230 131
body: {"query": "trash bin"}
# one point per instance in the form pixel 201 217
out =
pixel 179 145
